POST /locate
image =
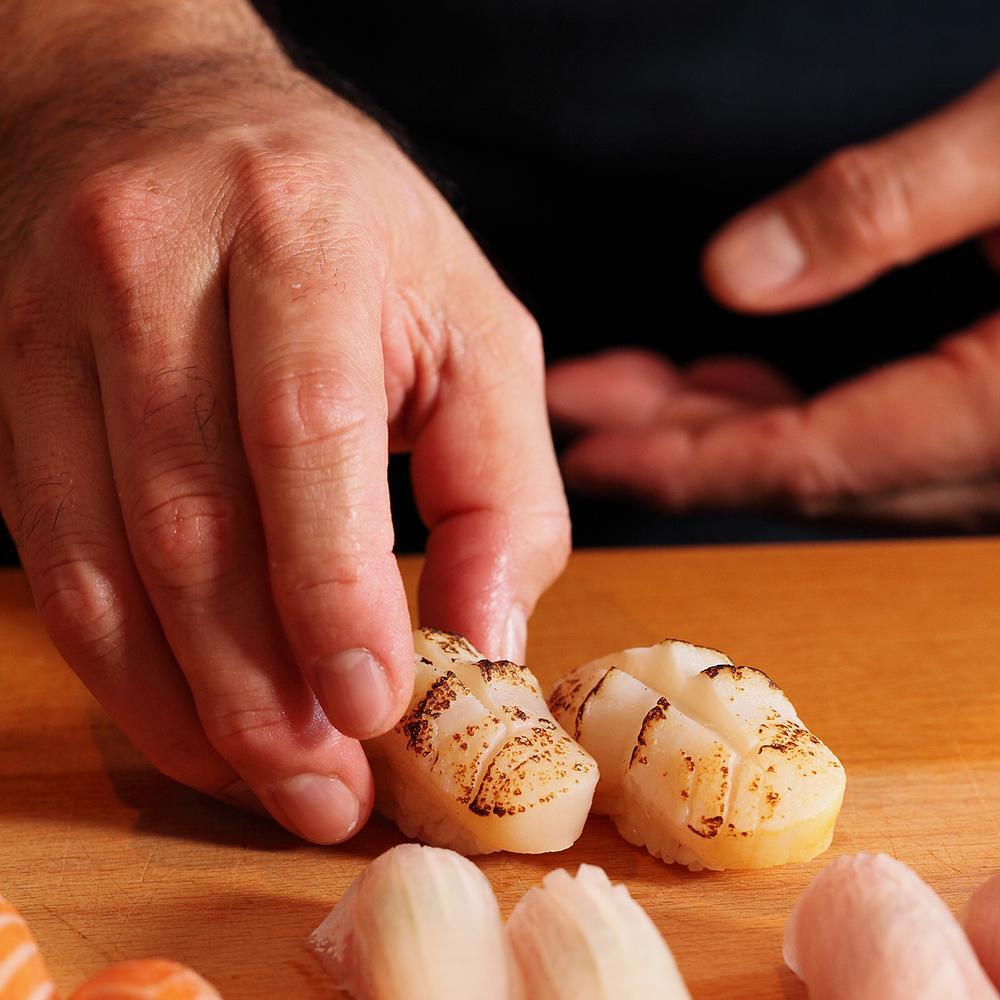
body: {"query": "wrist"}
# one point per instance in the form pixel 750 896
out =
pixel 77 50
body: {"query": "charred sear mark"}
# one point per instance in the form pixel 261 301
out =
pixel 508 778
pixel 586 700
pixel 419 737
pixel 506 670
pixel 564 694
pixel 499 786
pixel 709 827
pixel 791 739
pixel 656 714
pixel 738 672
pixel 417 727
pixel 450 643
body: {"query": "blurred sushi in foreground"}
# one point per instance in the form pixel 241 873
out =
pixel 422 923
pixel 23 975
pixel 867 928
pixel 582 938
pixel 146 979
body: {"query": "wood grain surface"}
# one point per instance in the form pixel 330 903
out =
pixel 890 652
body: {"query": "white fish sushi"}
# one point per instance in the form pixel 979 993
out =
pixel 420 923
pixel 702 762
pixel 583 938
pixel 867 928
pixel 477 763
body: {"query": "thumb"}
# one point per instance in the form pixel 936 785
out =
pixel 864 210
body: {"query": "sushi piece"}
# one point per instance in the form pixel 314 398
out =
pixel 421 923
pixel 146 979
pixel 702 762
pixel 477 764
pixel 583 938
pixel 23 975
pixel 982 925
pixel 867 928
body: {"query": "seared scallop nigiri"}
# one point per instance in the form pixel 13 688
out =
pixel 477 763
pixel 867 928
pixel 701 761
pixel 23 975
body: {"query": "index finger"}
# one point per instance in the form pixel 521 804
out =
pixel 305 319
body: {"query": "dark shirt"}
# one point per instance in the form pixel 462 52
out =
pixel 593 147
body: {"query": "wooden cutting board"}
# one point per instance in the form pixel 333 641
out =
pixel 890 652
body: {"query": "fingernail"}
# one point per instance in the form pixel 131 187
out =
pixel 515 636
pixel 240 795
pixel 759 256
pixel 355 692
pixel 320 808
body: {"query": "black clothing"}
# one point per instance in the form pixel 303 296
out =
pixel 592 146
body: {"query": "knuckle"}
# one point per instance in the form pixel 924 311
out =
pixel 970 362
pixel 180 413
pixel 186 541
pixel 121 223
pixel 80 607
pixel 811 478
pixel 297 214
pixel 310 411
pixel 27 317
pixel 812 486
pixel 871 196
pixel 243 733
pixel 117 218
pixel 178 756
pixel 297 587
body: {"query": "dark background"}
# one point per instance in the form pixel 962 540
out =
pixel 593 147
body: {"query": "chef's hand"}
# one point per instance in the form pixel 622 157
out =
pixel 224 295
pixel 913 440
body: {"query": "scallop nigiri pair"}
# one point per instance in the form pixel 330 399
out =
pixel 23 975
pixel 701 761
pixel 423 923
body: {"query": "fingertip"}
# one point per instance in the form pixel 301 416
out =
pixel 361 695
pixel 514 640
pixel 751 262
pixel 320 808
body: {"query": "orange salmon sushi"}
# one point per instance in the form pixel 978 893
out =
pixel 23 975
pixel 145 979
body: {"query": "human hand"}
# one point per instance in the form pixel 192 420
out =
pixel 913 440
pixel 224 294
